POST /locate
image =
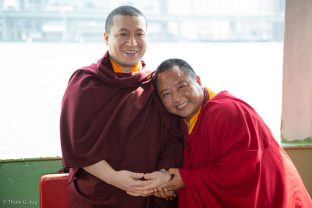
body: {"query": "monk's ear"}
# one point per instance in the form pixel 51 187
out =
pixel 198 80
pixel 106 37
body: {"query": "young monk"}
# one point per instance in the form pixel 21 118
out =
pixel 113 125
pixel 230 158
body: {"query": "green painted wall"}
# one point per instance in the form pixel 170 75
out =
pixel 302 158
pixel 19 181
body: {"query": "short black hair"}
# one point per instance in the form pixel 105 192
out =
pixel 169 64
pixel 124 11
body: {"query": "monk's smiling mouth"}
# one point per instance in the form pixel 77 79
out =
pixel 130 52
pixel 182 106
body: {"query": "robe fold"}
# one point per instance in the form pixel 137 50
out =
pixel 232 160
pixel 115 117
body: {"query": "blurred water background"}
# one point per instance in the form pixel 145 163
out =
pixel 34 77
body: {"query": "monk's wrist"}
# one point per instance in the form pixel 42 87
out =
pixel 110 176
pixel 168 176
pixel 163 170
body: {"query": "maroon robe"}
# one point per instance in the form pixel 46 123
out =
pixel 115 117
pixel 232 160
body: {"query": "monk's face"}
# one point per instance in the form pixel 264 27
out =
pixel 181 94
pixel 126 40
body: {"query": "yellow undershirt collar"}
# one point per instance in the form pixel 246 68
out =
pixel 193 120
pixel 118 69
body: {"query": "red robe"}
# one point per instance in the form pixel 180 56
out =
pixel 115 117
pixel 232 160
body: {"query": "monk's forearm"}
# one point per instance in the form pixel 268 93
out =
pixel 101 170
pixel 123 179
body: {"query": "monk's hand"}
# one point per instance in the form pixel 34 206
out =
pixel 168 195
pixel 173 185
pixel 151 182
pixel 127 180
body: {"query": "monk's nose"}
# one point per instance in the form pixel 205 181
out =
pixel 132 41
pixel 176 97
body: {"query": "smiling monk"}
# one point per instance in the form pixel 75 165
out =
pixel 230 158
pixel 113 126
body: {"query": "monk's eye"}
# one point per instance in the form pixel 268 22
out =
pixel 181 87
pixel 122 34
pixel 166 95
pixel 141 34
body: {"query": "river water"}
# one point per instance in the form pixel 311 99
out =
pixel 34 76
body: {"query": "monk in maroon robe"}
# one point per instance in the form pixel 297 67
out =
pixel 113 125
pixel 231 158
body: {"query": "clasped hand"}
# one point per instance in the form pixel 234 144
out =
pixel 159 184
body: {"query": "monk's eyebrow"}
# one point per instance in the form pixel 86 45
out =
pixel 123 30
pixel 162 91
pixel 140 30
pixel 181 82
